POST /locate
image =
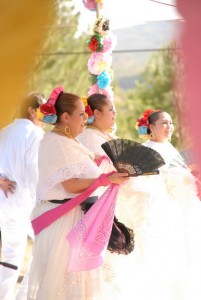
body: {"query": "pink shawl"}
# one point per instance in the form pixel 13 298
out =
pixel 88 239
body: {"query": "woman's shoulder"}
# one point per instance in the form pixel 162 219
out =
pixel 159 145
pixel 88 132
pixel 90 137
pixel 53 142
pixel 63 150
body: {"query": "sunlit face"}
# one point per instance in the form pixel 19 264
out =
pixel 77 120
pixel 163 128
pixel 107 115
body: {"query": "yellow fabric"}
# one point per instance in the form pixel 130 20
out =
pixel 22 28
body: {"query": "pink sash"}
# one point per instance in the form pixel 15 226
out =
pixel 52 215
pixel 89 237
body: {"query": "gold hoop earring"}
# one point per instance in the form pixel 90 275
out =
pixel 67 130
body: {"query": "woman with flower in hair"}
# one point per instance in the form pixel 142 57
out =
pixel 69 247
pixel 99 129
pixel 129 209
pixel 174 215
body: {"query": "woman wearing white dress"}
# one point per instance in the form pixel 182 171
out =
pixel 66 172
pixel 174 216
pixel 131 202
pixel 99 130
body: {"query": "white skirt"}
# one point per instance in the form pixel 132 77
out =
pixel 165 263
pixel 49 279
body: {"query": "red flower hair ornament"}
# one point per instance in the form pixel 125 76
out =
pixel 142 124
pixel 89 111
pixel 48 108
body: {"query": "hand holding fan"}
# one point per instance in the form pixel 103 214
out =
pixel 133 158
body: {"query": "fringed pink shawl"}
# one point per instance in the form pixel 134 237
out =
pixel 88 239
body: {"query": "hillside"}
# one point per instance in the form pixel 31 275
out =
pixel 127 66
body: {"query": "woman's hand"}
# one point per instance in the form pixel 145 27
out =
pixel 7 186
pixel 118 178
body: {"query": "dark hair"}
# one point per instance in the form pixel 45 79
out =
pixel 33 100
pixel 153 117
pixel 66 102
pixel 97 101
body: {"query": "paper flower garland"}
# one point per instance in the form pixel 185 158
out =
pixel 98 62
pixel 101 43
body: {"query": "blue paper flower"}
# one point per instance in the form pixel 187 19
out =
pixel 103 80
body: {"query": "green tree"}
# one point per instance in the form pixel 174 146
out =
pixel 55 64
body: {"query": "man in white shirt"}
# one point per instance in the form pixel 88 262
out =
pixel 19 144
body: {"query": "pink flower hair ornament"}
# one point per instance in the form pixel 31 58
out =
pixel 48 110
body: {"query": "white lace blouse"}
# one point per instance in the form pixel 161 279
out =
pixel 61 158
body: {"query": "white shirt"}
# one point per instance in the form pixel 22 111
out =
pixel 19 144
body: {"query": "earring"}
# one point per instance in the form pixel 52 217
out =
pixel 67 130
pixel 151 135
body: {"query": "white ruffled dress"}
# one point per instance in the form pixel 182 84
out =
pixel 165 213
pixel 60 159
pixel 172 241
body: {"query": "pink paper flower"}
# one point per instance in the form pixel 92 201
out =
pixel 109 43
pixel 98 62
pixel 93 89
pixel 108 92
pixel 91 4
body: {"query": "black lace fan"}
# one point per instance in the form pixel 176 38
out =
pixel 133 158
